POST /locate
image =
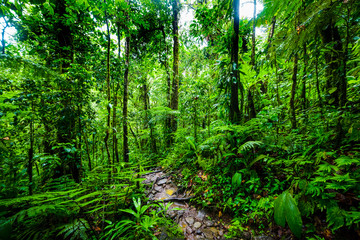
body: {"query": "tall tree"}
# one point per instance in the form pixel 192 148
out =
pixel 175 81
pixel 235 114
pixel 126 92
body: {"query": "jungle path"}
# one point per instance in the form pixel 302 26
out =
pixel 196 224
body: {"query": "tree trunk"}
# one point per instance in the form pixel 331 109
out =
pixel 31 150
pixel 88 151
pixel 252 62
pixel 303 89
pixel 175 83
pixel 3 36
pixel 293 92
pixel 234 96
pixel 66 131
pixel 251 105
pixel 115 139
pixel 167 131
pixel 108 97
pixel 336 80
pixel 125 99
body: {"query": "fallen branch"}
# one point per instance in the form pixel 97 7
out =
pixel 175 199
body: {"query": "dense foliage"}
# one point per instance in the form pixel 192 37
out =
pixel 262 127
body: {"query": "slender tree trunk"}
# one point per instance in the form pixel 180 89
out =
pixel 175 82
pixel 3 36
pixel 108 97
pixel 271 32
pixel 293 92
pixel 317 78
pixel 115 139
pixel 234 97
pixel 251 105
pixel 125 99
pixel 31 150
pixel 252 62
pixel 343 82
pixel 303 89
pixel 167 131
pixel 195 119
pixel 88 151
pixel 93 146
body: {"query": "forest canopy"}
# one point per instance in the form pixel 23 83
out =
pixel 123 119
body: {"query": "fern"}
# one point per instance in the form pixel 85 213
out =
pixel 75 230
pixel 249 145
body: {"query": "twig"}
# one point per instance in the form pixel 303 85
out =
pixel 175 199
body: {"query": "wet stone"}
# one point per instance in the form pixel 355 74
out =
pixel 158 188
pixel 200 215
pixel 198 232
pixel 162 181
pixel 197 225
pixel 208 233
pixel 209 223
pixel 263 237
pixel 188 230
pixel 190 220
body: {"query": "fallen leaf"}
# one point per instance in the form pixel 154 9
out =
pixel 220 214
pixel 170 191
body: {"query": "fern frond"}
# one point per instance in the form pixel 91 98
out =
pixel 249 145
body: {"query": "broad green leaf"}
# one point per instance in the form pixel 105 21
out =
pixel 293 216
pixel 286 210
pixel 279 210
pixel 236 179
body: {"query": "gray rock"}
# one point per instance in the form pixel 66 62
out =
pixel 158 188
pixel 209 223
pixel 201 215
pixel 190 220
pixel 189 230
pixel 246 235
pixel 263 237
pixel 163 236
pixel 208 233
pixel 221 233
pixel 198 232
pixel 197 225
pixel 172 214
pixel 162 181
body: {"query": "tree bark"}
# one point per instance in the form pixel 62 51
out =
pixel 125 99
pixel 31 150
pixel 3 36
pixel 234 96
pixel 303 89
pixel 175 82
pixel 336 80
pixel 108 96
pixel 252 62
pixel 66 131
pixel 293 92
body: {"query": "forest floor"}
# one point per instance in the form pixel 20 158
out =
pixel 195 223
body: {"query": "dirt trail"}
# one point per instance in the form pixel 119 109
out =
pixel 196 224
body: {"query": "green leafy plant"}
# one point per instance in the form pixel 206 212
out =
pixel 141 224
pixel 286 211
